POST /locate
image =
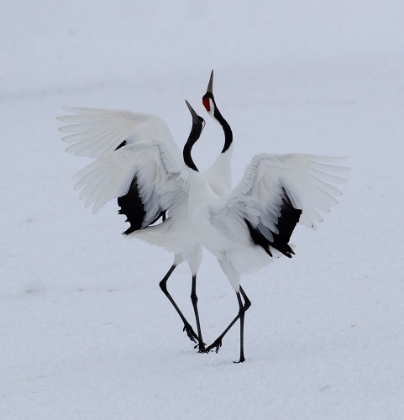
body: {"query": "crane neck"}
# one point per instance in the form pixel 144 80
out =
pixel 187 152
pixel 228 134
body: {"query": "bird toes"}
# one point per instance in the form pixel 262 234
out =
pixel 191 333
pixel 201 347
pixel 215 346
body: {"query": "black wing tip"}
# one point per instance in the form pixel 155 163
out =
pixel 121 145
pixel 129 231
pixel 132 207
pixel 287 222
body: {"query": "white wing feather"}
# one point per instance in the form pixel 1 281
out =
pixel 153 165
pixel 149 153
pixel 96 133
pixel 309 181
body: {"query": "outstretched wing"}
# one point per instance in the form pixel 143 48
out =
pixel 279 191
pixel 145 178
pixel 137 162
pixel 98 132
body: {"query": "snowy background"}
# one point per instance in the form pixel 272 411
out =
pixel 85 332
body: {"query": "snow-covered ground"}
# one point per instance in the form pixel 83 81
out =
pixel 85 332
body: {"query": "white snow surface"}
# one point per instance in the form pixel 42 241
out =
pixel 85 331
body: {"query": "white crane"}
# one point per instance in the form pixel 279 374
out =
pixel 138 162
pixel 252 225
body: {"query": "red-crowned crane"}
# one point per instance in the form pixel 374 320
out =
pixel 252 225
pixel 138 162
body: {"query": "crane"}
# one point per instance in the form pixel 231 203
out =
pixel 129 151
pixel 249 227
pixel 245 229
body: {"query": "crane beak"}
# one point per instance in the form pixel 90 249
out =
pixel 195 117
pixel 210 85
pixel 192 111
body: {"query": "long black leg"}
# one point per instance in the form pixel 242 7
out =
pixel 242 309
pixel 194 299
pixel 247 302
pixel 187 326
pixel 242 312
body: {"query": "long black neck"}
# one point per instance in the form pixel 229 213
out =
pixel 228 134
pixel 192 139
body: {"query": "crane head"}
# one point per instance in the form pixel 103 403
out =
pixel 196 119
pixel 207 100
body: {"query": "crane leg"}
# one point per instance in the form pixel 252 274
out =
pixel 187 326
pixel 242 313
pixel 194 299
pixel 242 309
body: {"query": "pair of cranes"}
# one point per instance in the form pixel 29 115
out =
pixel 138 163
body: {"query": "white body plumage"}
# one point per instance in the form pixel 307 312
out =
pixel 309 183
pixel 151 154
